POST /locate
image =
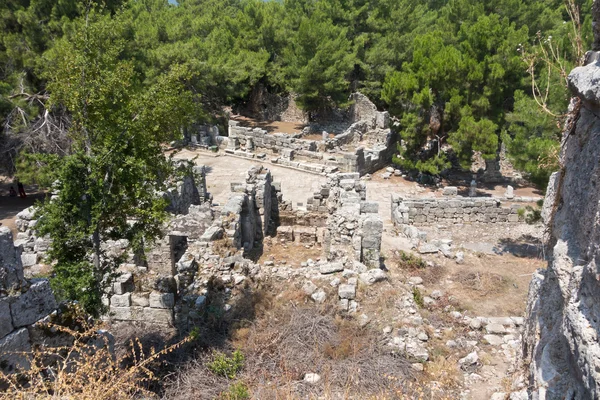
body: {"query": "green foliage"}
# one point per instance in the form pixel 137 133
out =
pixel 452 72
pixel 226 366
pixel 411 261
pixel 418 297
pixel 108 187
pixel 533 215
pixel 236 391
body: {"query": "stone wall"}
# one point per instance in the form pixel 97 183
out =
pixel 22 304
pixel 363 109
pixel 561 351
pixel 457 210
pixel 202 135
pixel 188 189
pixel 354 227
pixel 250 138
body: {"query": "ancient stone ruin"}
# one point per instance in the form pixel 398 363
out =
pixel 23 303
pixel 364 143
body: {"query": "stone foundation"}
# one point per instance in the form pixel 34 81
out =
pixel 453 210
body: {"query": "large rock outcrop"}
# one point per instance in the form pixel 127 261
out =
pixel 561 349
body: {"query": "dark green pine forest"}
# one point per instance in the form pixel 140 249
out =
pixel 471 74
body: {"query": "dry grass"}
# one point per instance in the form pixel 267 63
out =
pixel 290 337
pixel 414 265
pixel 86 370
pixel 481 284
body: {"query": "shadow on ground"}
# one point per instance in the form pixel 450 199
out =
pixel 524 246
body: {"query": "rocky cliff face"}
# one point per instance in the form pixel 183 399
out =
pixel 560 341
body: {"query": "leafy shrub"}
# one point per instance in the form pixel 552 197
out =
pixel 227 366
pixel 418 297
pixel 236 391
pixel 411 261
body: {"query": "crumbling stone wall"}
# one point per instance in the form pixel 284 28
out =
pixel 354 227
pixel 22 304
pixel 165 289
pixel 249 138
pixel 189 190
pixel 202 135
pixel 561 351
pixel 185 195
pixel 456 209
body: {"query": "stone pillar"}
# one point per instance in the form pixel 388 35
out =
pixel 288 154
pixel 473 189
pixel 325 135
pixel 233 144
pixel 249 144
pixel 510 193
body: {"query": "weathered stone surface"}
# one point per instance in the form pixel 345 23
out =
pixel 162 300
pixel 29 260
pixel 33 305
pixel 140 299
pixel 6 325
pixel 494 340
pixel 11 269
pixel 319 296
pixel 372 276
pixel 450 191
pixel 158 316
pixel 10 346
pixel 560 339
pixel 330 268
pixel 347 291
pixel 309 288
pixel 121 300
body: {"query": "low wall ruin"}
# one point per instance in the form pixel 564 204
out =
pixel 454 210
pixel 23 303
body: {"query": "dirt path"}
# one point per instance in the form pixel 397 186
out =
pixel 11 206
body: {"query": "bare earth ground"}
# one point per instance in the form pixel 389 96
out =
pixel 11 206
pixel 271 126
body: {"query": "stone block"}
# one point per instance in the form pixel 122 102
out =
pixel 369 207
pixel 330 268
pixel 450 191
pixel 29 260
pixel 162 300
pixel 10 348
pixel 140 299
pixel 123 284
pixel 33 305
pixel 285 232
pixel 11 268
pixel 347 291
pixel 158 316
pixel 121 300
pixel 127 313
pixel 305 234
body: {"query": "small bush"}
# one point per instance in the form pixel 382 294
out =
pixel 410 261
pixel 227 366
pixel 533 215
pixel 236 391
pixel 418 297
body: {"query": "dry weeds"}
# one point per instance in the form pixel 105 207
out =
pixel 86 370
